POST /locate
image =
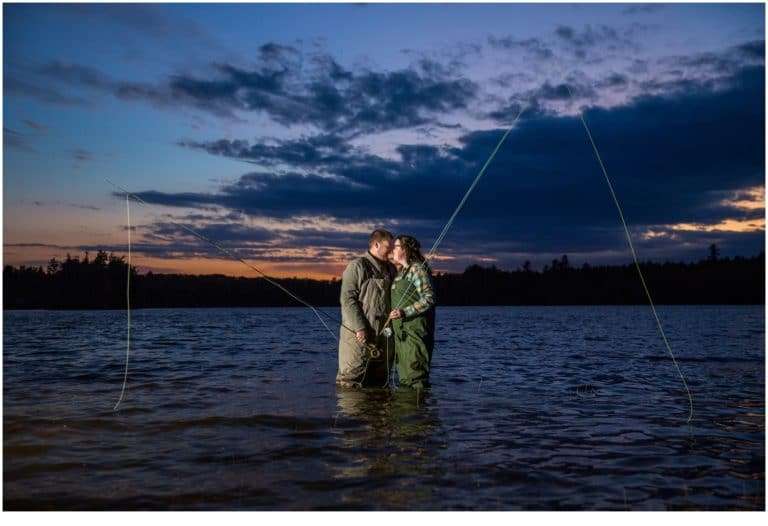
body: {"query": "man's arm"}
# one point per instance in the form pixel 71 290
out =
pixel 351 310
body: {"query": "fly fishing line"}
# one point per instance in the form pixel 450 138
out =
pixel 372 350
pixel 634 256
pixel 450 221
pixel 128 304
pixel 448 225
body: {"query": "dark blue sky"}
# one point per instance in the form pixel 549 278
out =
pixel 288 132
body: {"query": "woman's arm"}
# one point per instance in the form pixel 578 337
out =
pixel 421 281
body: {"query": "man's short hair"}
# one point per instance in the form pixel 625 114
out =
pixel 378 236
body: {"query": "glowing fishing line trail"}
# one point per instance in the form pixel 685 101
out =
pixel 432 250
pixel 634 256
pixel 128 304
pixel 450 221
pixel 241 260
pixel 128 195
pixel 448 225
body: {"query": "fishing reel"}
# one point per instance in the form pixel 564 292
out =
pixel 373 351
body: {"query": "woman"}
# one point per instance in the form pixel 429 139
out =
pixel 413 317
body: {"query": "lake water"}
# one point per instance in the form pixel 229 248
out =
pixel 531 408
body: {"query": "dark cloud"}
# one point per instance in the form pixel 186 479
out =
pixel 84 207
pixel 35 245
pixel 224 233
pixel 16 140
pixel 565 91
pixel 318 238
pixel 450 59
pixel 673 76
pixel 327 96
pixel 461 55
pixel 35 126
pixel 273 52
pixel 245 242
pixel 76 74
pixel 753 52
pixel 509 113
pixel 81 155
pixel 52 82
pixel 13 85
pixel 721 64
pixel 318 152
pixel 576 90
pixel 613 81
pixel 293 88
pixel 671 160
pixel 600 37
pixel 176 200
pixel 510 80
pixel 379 101
pixel 160 97
pixel 76 205
pixel 23 141
pixel 535 48
pixel 58 203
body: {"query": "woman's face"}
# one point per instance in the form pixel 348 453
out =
pixel 398 254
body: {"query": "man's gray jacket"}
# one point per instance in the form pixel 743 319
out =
pixel 365 292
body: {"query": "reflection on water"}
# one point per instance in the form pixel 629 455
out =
pixel 529 409
pixel 391 439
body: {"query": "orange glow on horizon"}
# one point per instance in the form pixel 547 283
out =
pixel 727 225
pixel 201 266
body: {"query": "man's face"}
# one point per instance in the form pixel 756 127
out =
pixel 382 249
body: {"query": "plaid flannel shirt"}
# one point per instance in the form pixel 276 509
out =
pixel 421 282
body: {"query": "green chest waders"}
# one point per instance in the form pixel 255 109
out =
pixel 414 338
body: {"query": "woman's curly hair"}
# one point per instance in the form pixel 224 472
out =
pixel 411 248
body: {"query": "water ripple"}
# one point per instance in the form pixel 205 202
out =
pixel 531 408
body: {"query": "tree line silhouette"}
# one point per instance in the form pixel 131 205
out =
pixel 101 284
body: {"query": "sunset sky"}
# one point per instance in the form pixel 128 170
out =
pixel 286 133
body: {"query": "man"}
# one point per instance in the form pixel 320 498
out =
pixel 365 306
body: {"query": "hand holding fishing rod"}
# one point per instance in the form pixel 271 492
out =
pixel 362 337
